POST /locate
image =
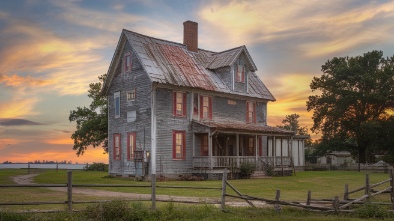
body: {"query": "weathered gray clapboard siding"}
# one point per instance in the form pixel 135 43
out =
pixel 225 75
pixel 124 82
pixel 166 124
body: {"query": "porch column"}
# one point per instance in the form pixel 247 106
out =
pixel 210 150
pixel 237 148
pixel 274 149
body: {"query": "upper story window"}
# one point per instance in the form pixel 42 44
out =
pixel 131 145
pixel 240 74
pixel 127 62
pixel 116 146
pixel 117 104
pixel 179 106
pixel 205 107
pixel 178 145
pixel 131 95
pixel 250 112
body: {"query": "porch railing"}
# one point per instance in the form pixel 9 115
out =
pixel 235 161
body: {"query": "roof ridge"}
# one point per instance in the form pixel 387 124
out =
pixel 173 42
pixel 216 53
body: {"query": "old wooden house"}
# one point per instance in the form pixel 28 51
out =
pixel 180 109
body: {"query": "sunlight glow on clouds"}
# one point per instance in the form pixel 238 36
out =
pixel 327 28
pixel 18 107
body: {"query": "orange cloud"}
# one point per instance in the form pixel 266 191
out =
pixel 60 141
pixel 4 142
pixel 16 80
pixel 18 107
pixel 327 28
pixel 65 65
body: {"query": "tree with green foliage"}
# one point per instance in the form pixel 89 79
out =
pixel 291 123
pixel 92 121
pixel 356 94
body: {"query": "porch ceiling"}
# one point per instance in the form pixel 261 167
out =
pixel 237 127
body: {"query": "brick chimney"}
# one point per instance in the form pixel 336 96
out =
pixel 190 35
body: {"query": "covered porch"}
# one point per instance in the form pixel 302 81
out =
pixel 228 145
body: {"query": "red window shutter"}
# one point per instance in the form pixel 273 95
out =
pixel 173 145
pixel 128 146
pixel 134 145
pixel 210 107
pixel 243 74
pixel 201 107
pixel 184 105
pixel 174 104
pixel 247 112
pixel 184 145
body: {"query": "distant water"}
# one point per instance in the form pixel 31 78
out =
pixel 42 166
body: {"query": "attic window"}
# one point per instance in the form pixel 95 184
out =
pixel 131 95
pixel 127 62
pixel 240 74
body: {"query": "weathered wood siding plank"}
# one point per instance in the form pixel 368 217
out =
pixel 124 82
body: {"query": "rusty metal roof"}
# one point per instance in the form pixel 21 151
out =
pixel 243 127
pixel 171 63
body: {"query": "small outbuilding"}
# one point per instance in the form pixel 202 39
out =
pixel 336 158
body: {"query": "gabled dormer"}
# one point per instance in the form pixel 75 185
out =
pixel 234 67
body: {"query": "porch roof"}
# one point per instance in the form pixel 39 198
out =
pixel 233 126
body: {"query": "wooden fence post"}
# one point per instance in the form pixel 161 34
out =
pixel 70 190
pixel 346 194
pixel 392 187
pixel 367 190
pixel 153 193
pixel 277 195
pixel 308 200
pixel 224 180
pixel 335 204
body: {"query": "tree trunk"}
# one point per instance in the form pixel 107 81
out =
pixel 362 154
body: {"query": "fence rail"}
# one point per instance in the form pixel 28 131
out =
pixel 336 204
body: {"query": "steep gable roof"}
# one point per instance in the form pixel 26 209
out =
pixel 171 63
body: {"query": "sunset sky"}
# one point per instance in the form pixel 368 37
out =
pixel 51 50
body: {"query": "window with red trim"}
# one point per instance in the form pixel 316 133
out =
pixel 205 107
pixel 240 75
pixel 204 145
pixel 179 106
pixel 178 145
pixel 131 145
pixel 127 62
pixel 250 146
pixel 250 112
pixel 117 147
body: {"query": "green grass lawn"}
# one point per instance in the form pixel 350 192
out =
pixel 322 184
pixel 325 184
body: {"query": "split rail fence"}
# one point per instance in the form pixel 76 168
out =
pixel 333 204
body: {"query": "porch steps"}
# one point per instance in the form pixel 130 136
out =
pixel 259 174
